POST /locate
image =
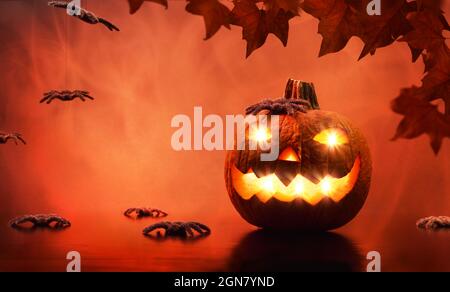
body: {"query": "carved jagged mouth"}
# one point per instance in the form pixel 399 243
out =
pixel 264 188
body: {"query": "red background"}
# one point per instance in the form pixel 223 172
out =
pixel 91 161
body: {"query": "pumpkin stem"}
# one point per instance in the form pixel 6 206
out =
pixel 296 89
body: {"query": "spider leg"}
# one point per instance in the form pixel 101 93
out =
pixel 160 225
pixel 19 137
pixel 11 137
pixel 300 107
pixel 108 24
pixel 200 228
pixel 253 109
pixel 261 108
pixel 46 97
pixel 60 222
pixel 301 102
pixel 155 213
pixel 256 109
pixel 160 213
pixel 129 211
pixel 58 4
pixel 86 94
pixel 152 213
pixel 15 223
pixel 51 98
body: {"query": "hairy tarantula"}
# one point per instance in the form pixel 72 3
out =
pixel 434 223
pixel 66 95
pixel 144 212
pixel 280 106
pixel 40 221
pixel 4 138
pixel 85 15
pixel 178 229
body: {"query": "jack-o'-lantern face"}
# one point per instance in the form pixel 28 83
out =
pixel 283 179
pixel 319 182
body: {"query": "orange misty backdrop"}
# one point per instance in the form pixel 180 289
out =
pixel 90 161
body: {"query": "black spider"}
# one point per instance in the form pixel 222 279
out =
pixel 280 106
pixel 51 221
pixel 66 95
pixel 144 212
pixel 178 229
pixel 84 15
pixel 4 138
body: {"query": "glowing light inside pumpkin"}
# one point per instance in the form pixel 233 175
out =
pixel 267 184
pixel 326 186
pixel 299 188
pixel 261 134
pixel 332 137
pixel 248 185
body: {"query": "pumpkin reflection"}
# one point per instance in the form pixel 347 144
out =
pixel 266 251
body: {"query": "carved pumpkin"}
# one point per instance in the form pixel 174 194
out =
pixel 321 178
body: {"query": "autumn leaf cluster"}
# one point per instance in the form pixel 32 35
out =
pixel 420 23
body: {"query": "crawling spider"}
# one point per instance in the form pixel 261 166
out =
pixel 4 138
pixel 144 212
pixel 84 15
pixel 280 106
pixel 434 223
pixel 178 229
pixel 65 95
pixel 40 221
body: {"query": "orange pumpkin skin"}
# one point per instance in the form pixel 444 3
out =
pixel 316 160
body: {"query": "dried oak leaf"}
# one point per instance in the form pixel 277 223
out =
pixel 257 23
pixel 214 13
pixel 136 4
pixel 420 115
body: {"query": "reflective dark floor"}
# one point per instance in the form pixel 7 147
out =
pixel 117 245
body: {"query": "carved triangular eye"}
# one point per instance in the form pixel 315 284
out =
pixel 289 154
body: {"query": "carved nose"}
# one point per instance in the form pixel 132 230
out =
pixel 285 168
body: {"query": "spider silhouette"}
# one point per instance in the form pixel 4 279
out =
pixel 85 15
pixel 144 212
pixel 280 106
pixel 183 230
pixel 65 95
pixel 17 138
pixel 434 223
pixel 51 221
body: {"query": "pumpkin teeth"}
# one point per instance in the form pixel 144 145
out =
pixel 264 188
